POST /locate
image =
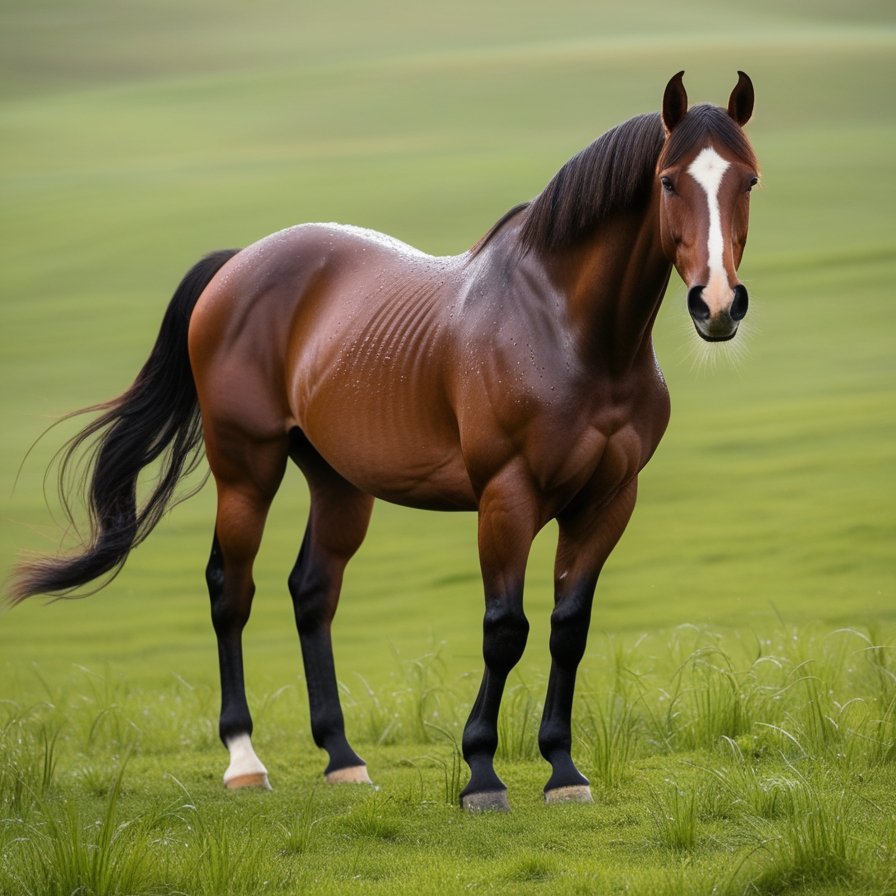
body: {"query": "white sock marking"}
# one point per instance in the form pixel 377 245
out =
pixel 243 760
pixel 708 169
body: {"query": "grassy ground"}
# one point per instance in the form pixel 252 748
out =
pixel 737 709
pixel 721 764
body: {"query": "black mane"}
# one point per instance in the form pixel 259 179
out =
pixel 613 173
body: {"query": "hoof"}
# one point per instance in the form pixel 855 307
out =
pixel 256 779
pixel 354 774
pixel 486 801
pixel 579 793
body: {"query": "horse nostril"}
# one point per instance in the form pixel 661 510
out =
pixel 698 308
pixel 740 304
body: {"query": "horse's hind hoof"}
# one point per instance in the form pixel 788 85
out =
pixel 578 793
pixel 354 774
pixel 485 801
pixel 257 780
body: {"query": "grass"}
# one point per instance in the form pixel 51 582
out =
pixel 773 810
pixel 736 711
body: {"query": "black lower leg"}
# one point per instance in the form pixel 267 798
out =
pixel 229 618
pixel 554 736
pixel 569 630
pixel 235 718
pixel 327 721
pixel 505 633
pixel 314 591
pixel 480 740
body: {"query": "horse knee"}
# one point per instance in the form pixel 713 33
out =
pixel 506 631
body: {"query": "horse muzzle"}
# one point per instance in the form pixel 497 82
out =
pixel 719 324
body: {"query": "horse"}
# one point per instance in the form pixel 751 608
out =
pixel 517 380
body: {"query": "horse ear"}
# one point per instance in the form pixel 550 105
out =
pixel 675 102
pixel 740 105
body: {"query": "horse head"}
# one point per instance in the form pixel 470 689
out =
pixel 706 171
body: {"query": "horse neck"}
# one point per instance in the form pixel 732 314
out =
pixel 613 283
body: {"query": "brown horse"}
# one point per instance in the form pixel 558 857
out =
pixel 517 380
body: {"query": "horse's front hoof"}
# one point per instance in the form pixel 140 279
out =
pixel 258 780
pixel 578 793
pixel 485 801
pixel 354 774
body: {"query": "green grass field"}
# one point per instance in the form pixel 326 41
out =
pixel 737 714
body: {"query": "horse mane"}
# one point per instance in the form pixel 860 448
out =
pixel 614 173
pixel 479 245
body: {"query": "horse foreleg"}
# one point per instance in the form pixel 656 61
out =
pixel 506 529
pixel 586 540
pixel 336 527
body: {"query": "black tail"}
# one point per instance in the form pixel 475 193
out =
pixel 157 417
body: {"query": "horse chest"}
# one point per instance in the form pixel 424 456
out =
pixel 618 461
pixel 614 442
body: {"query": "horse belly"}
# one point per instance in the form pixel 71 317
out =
pixel 373 404
pixel 384 449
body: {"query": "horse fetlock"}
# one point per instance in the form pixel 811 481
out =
pixel 341 755
pixel 565 777
pixel 483 778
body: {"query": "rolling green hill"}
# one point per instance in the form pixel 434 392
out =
pixel 137 136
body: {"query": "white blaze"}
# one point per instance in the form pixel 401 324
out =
pixel 708 169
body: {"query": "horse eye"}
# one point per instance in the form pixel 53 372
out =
pixel 752 183
pixel 668 186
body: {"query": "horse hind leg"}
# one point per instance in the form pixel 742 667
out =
pixel 247 479
pixel 337 524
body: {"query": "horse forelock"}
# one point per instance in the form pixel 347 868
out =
pixel 613 174
pixel 706 125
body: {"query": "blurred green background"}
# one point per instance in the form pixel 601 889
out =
pixel 138 135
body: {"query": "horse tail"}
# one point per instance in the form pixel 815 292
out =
pixel 157 419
